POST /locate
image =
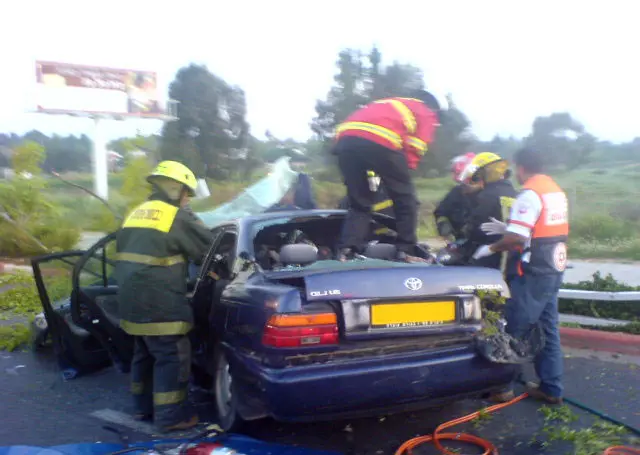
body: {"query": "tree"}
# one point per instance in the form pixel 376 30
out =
pixel 31 220
pixel 211 127
pixel 348 94
pixel 562 140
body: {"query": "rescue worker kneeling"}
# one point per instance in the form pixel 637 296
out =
pixel 488 174
pixel 153 246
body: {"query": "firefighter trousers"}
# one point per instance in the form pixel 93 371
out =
pixel 355 157
pixel 160 372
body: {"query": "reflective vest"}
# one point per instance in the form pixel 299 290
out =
pixel 547 252
pixel 152 247
pixel 401 124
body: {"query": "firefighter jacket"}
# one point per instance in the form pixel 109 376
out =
pixel 493 201
pixel 403 124
pixel 541 214
pixel 153 246
pixel 452 212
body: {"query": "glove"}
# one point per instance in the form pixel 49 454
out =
pixel 482 252
pixel 494 227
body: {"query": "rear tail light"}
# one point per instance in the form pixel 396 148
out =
pixel 300 330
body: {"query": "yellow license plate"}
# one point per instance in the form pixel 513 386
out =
pixel 414 314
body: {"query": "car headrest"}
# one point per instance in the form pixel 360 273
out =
pixel 385 251
pixel 298 253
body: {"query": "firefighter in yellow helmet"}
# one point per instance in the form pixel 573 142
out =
pixel 154 245
pixel 488 174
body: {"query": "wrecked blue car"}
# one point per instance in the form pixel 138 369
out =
pixel 284 331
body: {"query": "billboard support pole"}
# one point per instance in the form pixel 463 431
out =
pixel 100 169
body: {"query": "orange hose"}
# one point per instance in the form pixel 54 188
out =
pixel 621 450
pixel 487 446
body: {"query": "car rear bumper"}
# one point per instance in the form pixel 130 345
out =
pixel 361 387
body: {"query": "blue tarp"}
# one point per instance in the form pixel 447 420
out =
pixel 242 444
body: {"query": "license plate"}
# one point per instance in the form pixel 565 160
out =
pixel 414 314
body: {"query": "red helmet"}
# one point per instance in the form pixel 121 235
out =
pixel 459 163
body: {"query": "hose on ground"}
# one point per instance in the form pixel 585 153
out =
pixel 489 448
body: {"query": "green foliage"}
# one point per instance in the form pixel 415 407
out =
pixel 28 157
pixel 593 440
pixel 14 336
pixel 597 226
pixel 627 311
pixel 22 299
pixel 35 218
pixel 134 182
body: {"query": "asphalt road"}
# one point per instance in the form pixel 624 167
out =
pixel 40 409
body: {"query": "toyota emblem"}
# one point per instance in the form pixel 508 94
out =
pixel 413 284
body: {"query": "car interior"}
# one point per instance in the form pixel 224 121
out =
pixel 321 233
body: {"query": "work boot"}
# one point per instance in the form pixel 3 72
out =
pixel 534 391
pixel 182 426
pixel 502 397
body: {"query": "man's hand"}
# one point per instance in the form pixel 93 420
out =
pixel 494 227
pixel 483 252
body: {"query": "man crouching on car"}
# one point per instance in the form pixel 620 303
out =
pixel 153 246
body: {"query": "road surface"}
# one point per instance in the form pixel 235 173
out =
pixel 41 409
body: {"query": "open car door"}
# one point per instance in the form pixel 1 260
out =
pixel 77 351
pixel 94 302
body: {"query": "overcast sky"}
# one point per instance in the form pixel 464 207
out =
pixel 504 61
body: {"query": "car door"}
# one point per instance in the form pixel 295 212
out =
pixel 94 302
pixel 215 275
pixel 77 350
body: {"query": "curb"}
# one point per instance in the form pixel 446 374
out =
pixel 596 340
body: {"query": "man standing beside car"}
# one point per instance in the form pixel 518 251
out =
pixel 537 232
pixel 153 246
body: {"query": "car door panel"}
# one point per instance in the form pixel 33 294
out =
pixel 94 305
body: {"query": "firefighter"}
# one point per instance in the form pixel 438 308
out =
pixel 389 137
pixel 381 202
pixel 452 211
pixel 153 246
pixel 489 173
pixel 537 232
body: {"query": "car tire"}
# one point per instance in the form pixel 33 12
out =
pixel 225 394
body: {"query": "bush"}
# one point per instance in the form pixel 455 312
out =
pixel 627 311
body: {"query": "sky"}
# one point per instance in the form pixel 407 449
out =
pixel 504 61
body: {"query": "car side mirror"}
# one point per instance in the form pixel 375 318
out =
pixel 299 254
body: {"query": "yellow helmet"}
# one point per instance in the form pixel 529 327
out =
pixel 495 167
pixel 175 171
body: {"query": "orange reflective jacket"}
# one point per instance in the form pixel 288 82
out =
pixel 548 250
pixel 402 124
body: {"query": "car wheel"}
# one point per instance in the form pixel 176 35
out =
pixel 226 398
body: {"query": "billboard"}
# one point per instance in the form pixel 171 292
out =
pixel 71 88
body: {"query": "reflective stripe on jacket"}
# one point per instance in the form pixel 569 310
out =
pixel 401 124
pixel 548 250
pixel 152 248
